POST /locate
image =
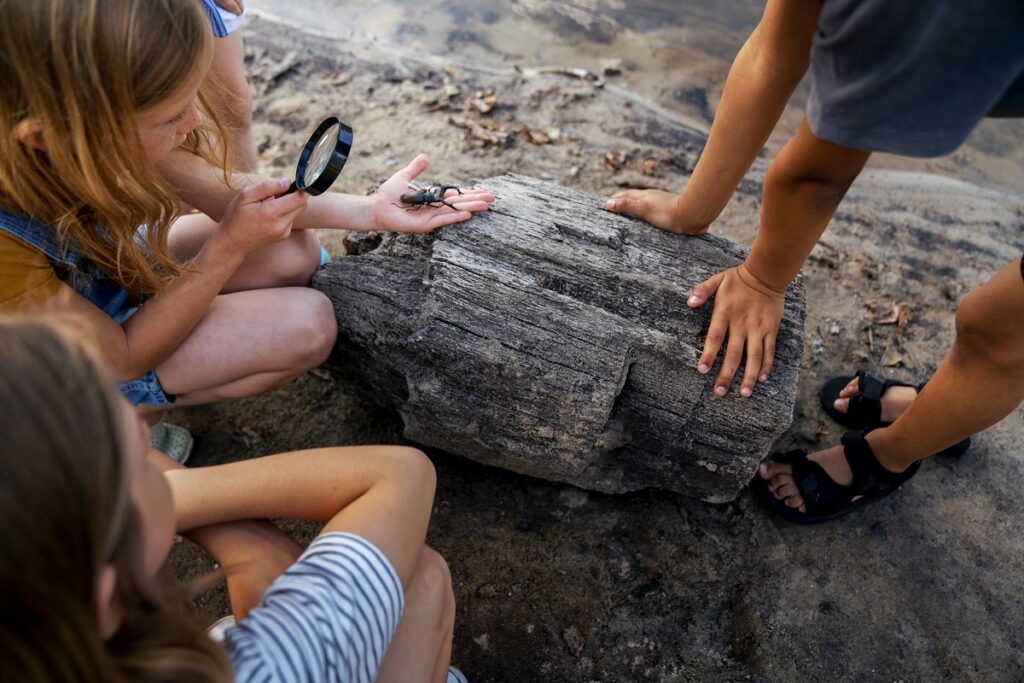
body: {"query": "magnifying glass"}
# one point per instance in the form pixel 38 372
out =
pixel 323 157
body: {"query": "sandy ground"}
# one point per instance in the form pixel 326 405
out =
pixel 558 584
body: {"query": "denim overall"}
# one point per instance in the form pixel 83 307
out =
pixel 76 271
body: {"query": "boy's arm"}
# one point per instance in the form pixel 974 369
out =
pixel 802 189
pixel 203 186
pixel 763 76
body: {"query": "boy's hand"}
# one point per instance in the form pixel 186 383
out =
pixel 748 313
pixel 259 215
pixel 657 207
pixel 388 216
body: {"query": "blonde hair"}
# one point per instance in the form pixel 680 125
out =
pixel 82 69
pixel 67 512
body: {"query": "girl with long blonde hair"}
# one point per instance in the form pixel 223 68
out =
pixel 104 136
pixel 89 521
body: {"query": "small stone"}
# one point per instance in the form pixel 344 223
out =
pixel 834 330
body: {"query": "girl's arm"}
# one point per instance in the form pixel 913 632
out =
pixel 382 493
pixel 763 76
pixel 204 187
pixel 150 336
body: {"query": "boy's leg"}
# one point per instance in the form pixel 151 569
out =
pixel 980 381
pixel 249 342
pixel 231 98
pixel 423 641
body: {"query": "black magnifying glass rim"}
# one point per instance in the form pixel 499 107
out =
pixel 342 149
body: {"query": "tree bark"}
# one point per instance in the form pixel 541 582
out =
pixel 552 338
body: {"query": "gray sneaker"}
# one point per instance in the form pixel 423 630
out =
pixel 172 440
pixel 456 676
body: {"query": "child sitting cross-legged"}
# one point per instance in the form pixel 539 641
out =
pixel 89 522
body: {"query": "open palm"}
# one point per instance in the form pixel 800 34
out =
pixel 389 213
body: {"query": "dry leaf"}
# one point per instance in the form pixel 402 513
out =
pixel 897 314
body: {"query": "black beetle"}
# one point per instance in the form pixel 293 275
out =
pixel 432 196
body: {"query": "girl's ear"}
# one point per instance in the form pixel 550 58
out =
pixel 30 133
pixel 110 614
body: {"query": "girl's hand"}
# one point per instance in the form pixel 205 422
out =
pixel 657 207
pixel 260 216
pixel 390 214
pixel 749 313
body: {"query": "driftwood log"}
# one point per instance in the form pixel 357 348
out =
pixel 551 338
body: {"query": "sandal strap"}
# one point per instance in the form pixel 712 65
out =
pixel 821 494
pixel 866 405
pixel 865 467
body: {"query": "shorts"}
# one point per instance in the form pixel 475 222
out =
pixel 146 390
pixel 223 22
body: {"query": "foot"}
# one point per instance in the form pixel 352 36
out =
pixel 782 485
pixel 894 401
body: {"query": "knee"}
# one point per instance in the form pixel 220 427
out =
pixel 432 581
pixel 314 329
pixel 412 466
pixel 981 337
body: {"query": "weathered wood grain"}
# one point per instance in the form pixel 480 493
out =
pixel 551 337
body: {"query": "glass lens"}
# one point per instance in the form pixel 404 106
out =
pixel 321 155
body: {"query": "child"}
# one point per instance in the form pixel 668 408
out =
pixel 89 522
pixel 906 78
pixel 108 137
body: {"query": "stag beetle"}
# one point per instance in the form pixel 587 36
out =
pixel 432 196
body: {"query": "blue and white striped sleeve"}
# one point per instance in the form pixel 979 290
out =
pixel 216 21
pixel 328 619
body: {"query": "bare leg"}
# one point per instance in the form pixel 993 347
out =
pixel 231 99
pixel 980 382
pixel 289 263
pixel 423 641
pixel 249 342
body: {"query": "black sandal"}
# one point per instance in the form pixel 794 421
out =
pixel 865 408
pixel 823 497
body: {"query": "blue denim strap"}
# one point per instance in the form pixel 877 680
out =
pixel 39 236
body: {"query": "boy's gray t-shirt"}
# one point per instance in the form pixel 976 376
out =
pixel 913 77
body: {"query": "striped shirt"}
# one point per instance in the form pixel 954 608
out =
pixel 328 619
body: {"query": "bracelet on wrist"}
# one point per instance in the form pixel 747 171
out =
pixel 758 284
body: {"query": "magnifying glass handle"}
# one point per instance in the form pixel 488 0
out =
pixel 291 188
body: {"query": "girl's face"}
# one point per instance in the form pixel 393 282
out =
pixel 148 491
pixel 163 127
